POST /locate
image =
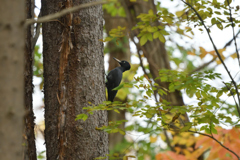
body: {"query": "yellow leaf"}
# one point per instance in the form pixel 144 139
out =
pixel 213 53
pixel 234 55
pixel 221 50
pixel 163 137
pixel 182 141
pixel 203 52
pixel 153 139
pixel 191 53
pixel 218 61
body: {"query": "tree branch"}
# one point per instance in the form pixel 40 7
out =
pixel 229 88
pixel 229 42
pixel 208 63
pixel 203 134
pixel 215 48
pixel 202 66
pixel 63 12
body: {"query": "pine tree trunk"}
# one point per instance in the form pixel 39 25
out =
pixel 12 16
pixel 73 79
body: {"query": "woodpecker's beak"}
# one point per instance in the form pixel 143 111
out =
pixel 117 60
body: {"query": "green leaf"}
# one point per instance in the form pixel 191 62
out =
pixel 162 38
pixel 214 131
pixel 218 13
pixel 198 95
pixel 143 40
pixel 81 116
pixel 156 34
pixel 107 39
pixel 121 132
pixel 149 36
pixel 213 21
pixel 207 130
pixel 118 87
pixel 220 26
pixel 219 94
pixel 226 2
pixel 149 92
pixel 150 12
pixel 237 126
pixel 115 110
pixel 188 125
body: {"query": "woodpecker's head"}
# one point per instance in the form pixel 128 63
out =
pixel 124 64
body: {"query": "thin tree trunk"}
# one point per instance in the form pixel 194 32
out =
pixel 154 51
pixel 12 16
pixel 29 136
pixel 73 79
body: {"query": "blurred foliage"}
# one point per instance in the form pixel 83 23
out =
pixel 38 65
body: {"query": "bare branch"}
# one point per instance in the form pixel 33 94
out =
pixel 63 12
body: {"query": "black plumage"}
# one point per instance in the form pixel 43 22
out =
pixel 114 78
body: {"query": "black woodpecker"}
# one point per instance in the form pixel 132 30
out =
pixel 114 78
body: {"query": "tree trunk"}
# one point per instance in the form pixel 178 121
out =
pixel 73 79
pixel 154 51
pixel 29 136
pixel 121 53
pixel 12 16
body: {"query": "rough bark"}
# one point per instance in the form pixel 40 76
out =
pixel 122 53
pixel 73 78
pixel 29 136
pixel 12 16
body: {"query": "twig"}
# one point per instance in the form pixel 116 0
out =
pixel 203 134
pixel 144 70
pixel 229 42
pixel 234 37
pixel 233 98
pixel 167 139
pixel 208 63
pixel 215 48
pixel 202 66
pixel 63 12
pixel 37 31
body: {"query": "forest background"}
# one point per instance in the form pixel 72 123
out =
pixel 180 100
